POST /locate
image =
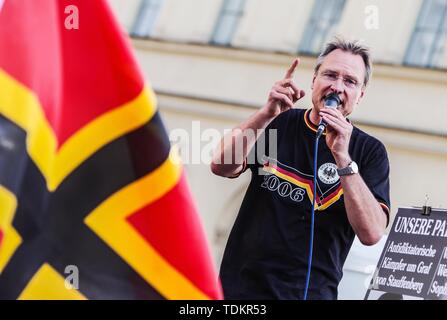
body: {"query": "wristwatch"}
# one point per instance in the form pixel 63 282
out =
pixel 352 168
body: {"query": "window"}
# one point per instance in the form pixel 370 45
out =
pixel 230 14
pixel 429 36
pixel 146 18
pixel 324 17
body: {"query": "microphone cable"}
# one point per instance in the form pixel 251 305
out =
pixel 312 216
pixel 331 101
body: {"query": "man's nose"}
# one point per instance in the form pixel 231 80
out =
pixel 337 86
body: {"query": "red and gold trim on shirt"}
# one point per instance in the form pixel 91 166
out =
pixel 309 123
pixel 322 203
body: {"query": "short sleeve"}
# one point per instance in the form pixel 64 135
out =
pixel 253 161
pixel 375 170
pixel 264 144
pixel 269 139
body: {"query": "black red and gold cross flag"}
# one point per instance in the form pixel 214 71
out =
pixel 89 185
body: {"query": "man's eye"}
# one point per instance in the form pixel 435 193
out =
pixel 331 75
pixel 351 82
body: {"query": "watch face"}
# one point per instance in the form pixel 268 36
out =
pixel 354 167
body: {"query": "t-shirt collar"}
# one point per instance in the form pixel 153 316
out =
pixel 310 125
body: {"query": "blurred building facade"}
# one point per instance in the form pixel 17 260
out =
pixel 212 63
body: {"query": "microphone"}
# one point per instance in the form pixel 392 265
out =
pixel 332 100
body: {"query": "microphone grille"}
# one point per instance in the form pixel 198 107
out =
pixel 332 100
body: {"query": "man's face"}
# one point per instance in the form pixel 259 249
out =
pixel 341 72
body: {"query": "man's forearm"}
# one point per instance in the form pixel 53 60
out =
pixel 233 149
pixel 364 212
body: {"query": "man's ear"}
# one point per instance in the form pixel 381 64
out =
pixel 313 81
pixel 362 93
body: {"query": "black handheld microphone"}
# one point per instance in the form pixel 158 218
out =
pixel 332 100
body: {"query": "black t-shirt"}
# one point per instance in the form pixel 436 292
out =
pixel 267 252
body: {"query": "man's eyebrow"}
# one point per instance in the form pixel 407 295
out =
pixel 351 77
pixel 329 71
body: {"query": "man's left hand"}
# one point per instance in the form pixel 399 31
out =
pixel 338 135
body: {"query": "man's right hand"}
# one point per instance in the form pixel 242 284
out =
pixel 284 94
pixel 282 97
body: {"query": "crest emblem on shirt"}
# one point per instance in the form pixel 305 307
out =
pixel 327 173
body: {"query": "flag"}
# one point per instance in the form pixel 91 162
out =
pixel 93 201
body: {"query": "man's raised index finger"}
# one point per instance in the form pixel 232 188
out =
pixel 291 71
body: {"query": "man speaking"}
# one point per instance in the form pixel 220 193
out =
pixel 268 251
